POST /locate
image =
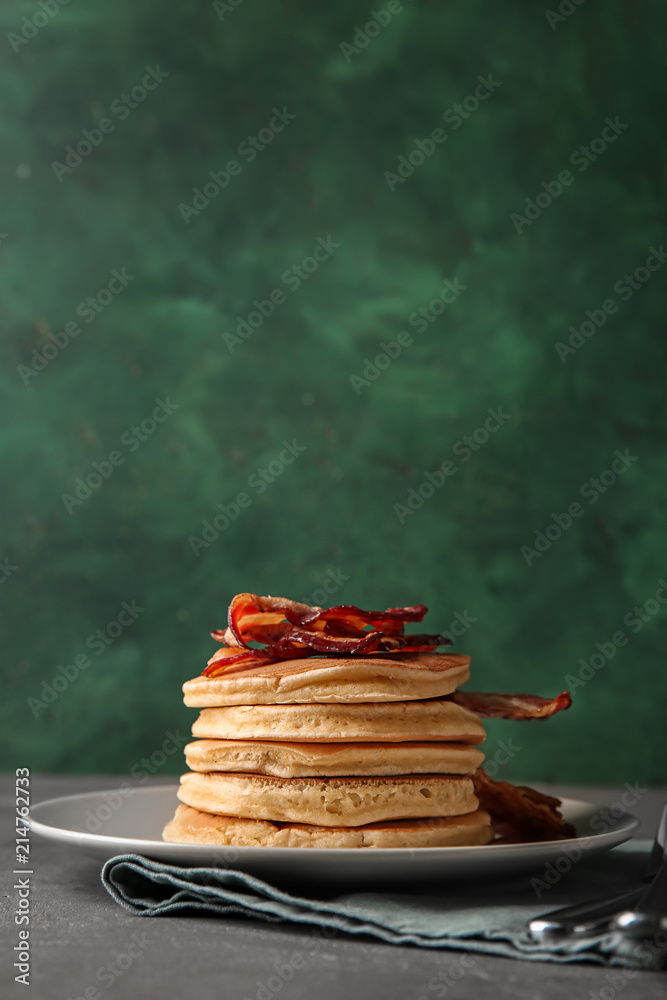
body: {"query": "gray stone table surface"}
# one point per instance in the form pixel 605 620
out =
pixel 77 930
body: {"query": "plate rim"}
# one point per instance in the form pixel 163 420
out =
pixel 627 824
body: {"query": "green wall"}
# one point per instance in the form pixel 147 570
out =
pixel 79 376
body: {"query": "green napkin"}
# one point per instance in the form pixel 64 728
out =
pixel 489 918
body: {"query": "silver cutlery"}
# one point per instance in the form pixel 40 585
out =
pixel 638 912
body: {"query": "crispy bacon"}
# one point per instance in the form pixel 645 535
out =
pixel 260 619
pixel 318 642
pixel 494 705
pixel 288 630
pixel 225 657
pixel 422 643
pixel 353 617
pixel 519 813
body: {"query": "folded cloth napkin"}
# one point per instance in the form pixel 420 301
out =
pixel 491 918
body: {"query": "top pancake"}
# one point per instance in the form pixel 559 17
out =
pixel 347 680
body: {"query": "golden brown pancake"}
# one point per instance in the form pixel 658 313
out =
pixel 332 679
pixel 400 721
pixel 190 826
pixel 329 801
pixel 292 760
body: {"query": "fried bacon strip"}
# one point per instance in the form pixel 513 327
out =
pixel 518 813
pixel 227 657
pixel 289 630
pixel 494 705
pixel 259 619
pixel 355 618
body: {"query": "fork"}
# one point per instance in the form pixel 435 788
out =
pixel 636 912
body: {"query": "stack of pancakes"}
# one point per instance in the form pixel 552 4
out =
pixel 333 752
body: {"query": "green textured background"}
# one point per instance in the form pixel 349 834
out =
pixel 332 511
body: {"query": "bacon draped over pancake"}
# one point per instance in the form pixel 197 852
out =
pixel 518 813
pixel 289 630
pixel 227 656
pixel 494 705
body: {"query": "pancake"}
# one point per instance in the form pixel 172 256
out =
pixel 292 760
pixel 398 721
pixel 328 801
pixel 190 826
pixel 332 679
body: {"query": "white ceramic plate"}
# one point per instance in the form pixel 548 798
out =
pixel 105 824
